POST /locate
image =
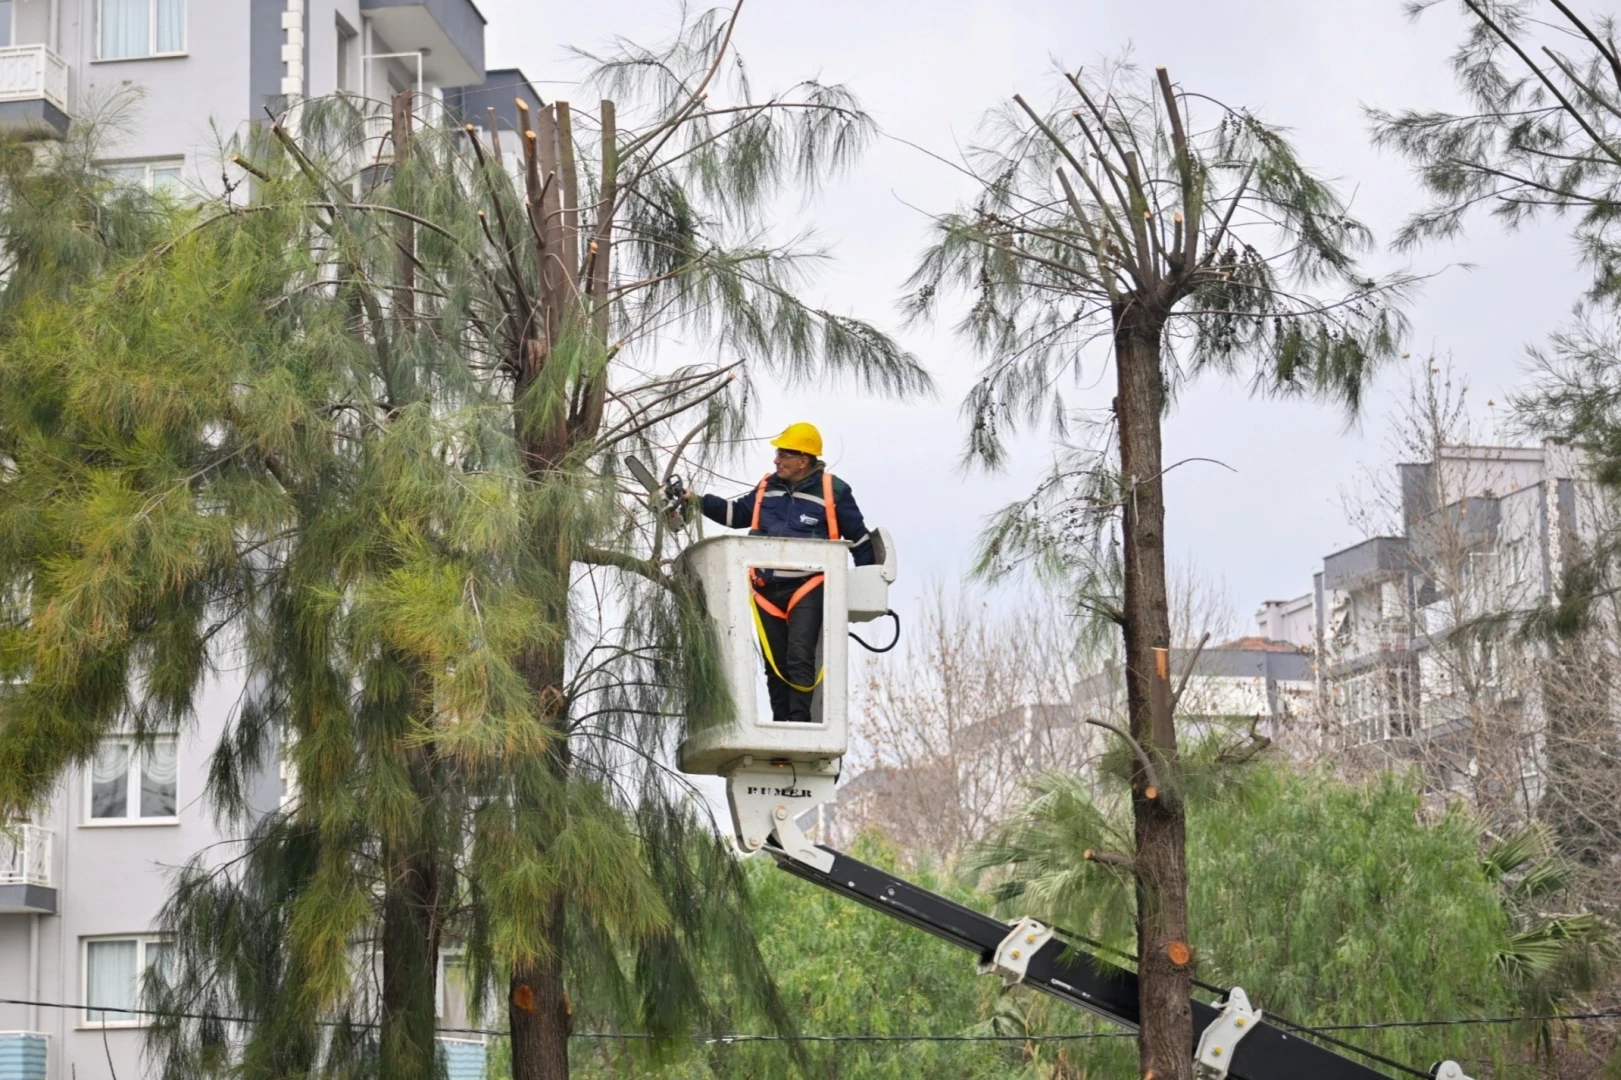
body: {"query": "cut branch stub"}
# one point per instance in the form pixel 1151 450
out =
pixel 1108 859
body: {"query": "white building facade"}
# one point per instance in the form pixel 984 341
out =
pixel 1414 633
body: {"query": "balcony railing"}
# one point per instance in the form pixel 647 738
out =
pixel 28 72
pixel 25 855
pixel 24 1054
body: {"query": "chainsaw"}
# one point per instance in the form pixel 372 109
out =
pixel 670 499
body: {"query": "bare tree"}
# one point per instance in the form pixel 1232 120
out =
pixel 982 700
pixel 979 701
pixel 1457 519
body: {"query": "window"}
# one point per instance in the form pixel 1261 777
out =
pixel 128 29
pixel 5 22
pixel 114 970
pixel 158 177
pixel 347 55
pixel 454 1003
pixel 129 782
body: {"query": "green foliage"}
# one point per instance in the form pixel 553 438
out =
pixel 843 969
pixel 1048 264
pixel 1328 902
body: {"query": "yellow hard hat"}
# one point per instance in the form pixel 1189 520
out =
pixel 802 437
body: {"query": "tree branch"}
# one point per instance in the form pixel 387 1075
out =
pixel 618 560
pixel 1193 662
pixel 1143 760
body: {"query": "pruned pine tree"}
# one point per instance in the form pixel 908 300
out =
pixel 352 444
pixel 1542 133
pixel 1179 235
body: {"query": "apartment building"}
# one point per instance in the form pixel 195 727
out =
pixel 1402 666
pixel 202 69
pixel 81 887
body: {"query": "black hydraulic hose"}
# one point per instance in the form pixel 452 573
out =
pixel 892 644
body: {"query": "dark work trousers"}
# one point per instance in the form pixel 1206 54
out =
pixel 793 645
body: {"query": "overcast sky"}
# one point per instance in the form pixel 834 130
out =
pixel 927 70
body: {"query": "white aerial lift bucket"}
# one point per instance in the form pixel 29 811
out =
pixel 776 771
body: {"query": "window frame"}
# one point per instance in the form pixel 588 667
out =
pixel 347 61
pixel 142 943
pixel 148 167
pixel 132 794
pixel 151 35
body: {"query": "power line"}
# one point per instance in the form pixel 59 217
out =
pixel 1606 1014
pixel 618 1035
pixel 739 1037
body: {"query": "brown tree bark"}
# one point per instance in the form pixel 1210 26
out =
pixel 410 947
pixel 538 1009
pixel 410 937
pixel 1164 970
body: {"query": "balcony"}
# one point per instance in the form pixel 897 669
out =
pixel 33 90
pixel 448 35
pixel 464 1058
pixel 25 870
pixel 1383 558
pixel 23 1055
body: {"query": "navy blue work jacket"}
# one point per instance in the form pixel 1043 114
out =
pixel 796 510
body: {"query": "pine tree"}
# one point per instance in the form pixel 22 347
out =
pixel 1187 238
pixel 1542 134
pixel 357 438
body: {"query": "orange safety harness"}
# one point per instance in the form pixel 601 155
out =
pixel 757 580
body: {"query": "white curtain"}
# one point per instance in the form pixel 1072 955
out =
pixel 171 26
pixel 160 961
pixel 110 975
pixel 126 28
pixel 158 779
pixel 109 781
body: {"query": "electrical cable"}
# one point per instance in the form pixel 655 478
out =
pixel 892 644
pixel 739 1037
pixel 1608 1014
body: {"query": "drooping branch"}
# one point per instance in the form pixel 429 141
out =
pixel 1144 762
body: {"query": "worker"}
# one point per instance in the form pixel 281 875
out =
pixel 802 500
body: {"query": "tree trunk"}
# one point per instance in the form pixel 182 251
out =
pixel 410 939
pixel 538 1009
pixel 1164 979
pixel 410 956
